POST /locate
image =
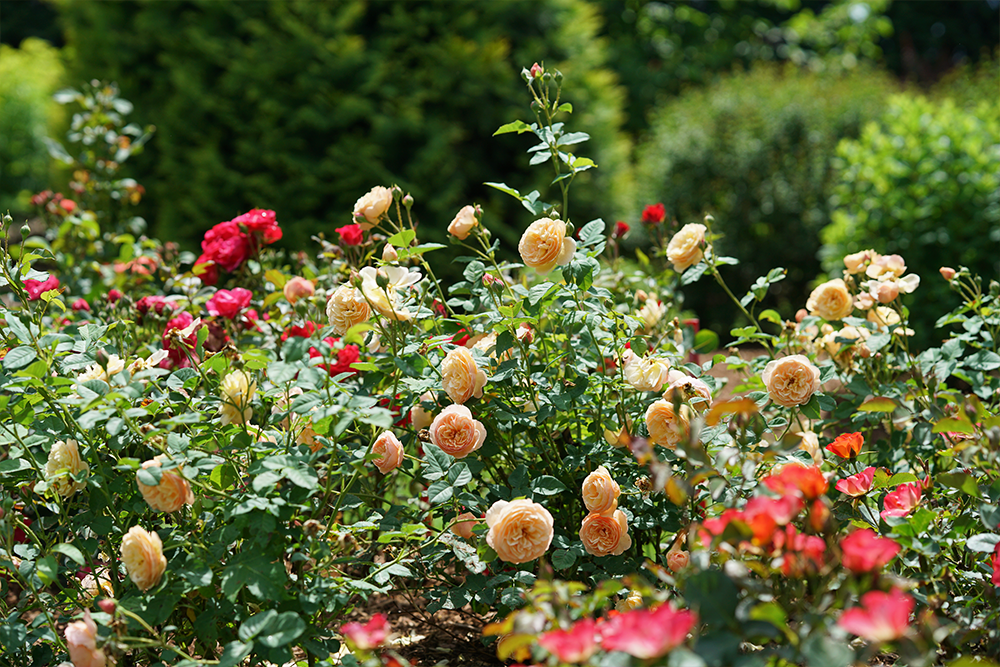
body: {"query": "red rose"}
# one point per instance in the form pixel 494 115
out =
pixel 228 303
pixel 621 229
pixel 654 214
pixel 226 245
pixel 157 303
pixel 351 234
pixel 296 331
pixel 114 295
pixel 36 288
pixel 249 320
pixel 345 357
pixel 205 268
pixel 261 222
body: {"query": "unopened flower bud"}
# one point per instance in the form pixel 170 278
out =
pixel 25 230
pixel 408 201
pixel 536 71
pixel 7 219
pixel 382 280
pixel 801 314
pixel 389 254
pixel 108 606
pixel 947 272
pixel 396 191
pixel 525 334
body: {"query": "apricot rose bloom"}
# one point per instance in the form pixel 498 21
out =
pixel 420 418
pixel 142 553
pixel 605 534
pixel 371 207
pixel 171 494
pixel 666 427
pixel 64 461
pixel 684 249
pixel 520 530
pixel 791 380
pixel 464 523
pixel 455 432
pixel 237 390
pixel 389 451
pixel 298 288
pixel 831 301
pixel 689 389
pixel 544 245
pixel 600 491
pixel 81 640
pixel 461 377
pixel 463 224
pixel 677 559
pixel 646 373
pixel 346 308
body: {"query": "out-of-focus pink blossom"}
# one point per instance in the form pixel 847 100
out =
pixel 882 617
pixel 574 645
pixel 864 551
pixel 36 288
pixel 647 634
pixel 368 636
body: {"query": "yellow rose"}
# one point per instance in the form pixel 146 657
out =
pixel 684 249
pixel 385 298
pixel 64 461
pixel 646 373
pixel 791 380
pixel 455 432
pixel 831 301
pixel 666 427
pixel 298 288
pixel 81 640
pixel 389 452
pixel 461 377
pixel 605 534
pixel 632 601
pixel 463 224
pixel 370 208
pixel 544 245
pixel 142 553
pixel 346 308
pixel 520 530
pixel 600 491
pixel 171 494
pixel 237 390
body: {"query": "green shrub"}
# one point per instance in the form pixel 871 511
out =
pixel 755 150
pixel 922 182
pixel 28 77
pixel 302 107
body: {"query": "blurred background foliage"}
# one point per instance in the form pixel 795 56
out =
pixel 756 111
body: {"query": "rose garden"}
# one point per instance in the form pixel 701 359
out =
pixel 236 456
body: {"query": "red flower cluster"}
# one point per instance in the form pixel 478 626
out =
pixel 792 478
pixel 299 331
pixel 156 303
pixel 54 203
pixel 228 244
pixel 882 617
pixel 654 214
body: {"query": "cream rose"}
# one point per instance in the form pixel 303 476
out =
pixel 520 530
pixel 142 553
pixel 831 301
pixel 346 308
pixel 684 249
pixel 605 534
pixel 455 432
pixel 666 427
pixel 81 640
pixel 420 418
pixel 544 245
pixel 791 380
pixel 64 461
pixel 460 376
pixel 386 300
pixel 389 451
pixel 171 494
pixel 114 365
pixel 389 254
pixel 600 491
pixel 689 389
pixel 651 312
pixel 646 373
pixel 810 445
pixel 370 208
pixel 237 390
pixel 298 288
pixel 463 224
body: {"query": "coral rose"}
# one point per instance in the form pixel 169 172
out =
pixel 605 534
pixel 666 427
pixel 63 463
pixel 298 288
pixel 171 494
pixel 81 640
pixel 237 390
pixel 142 553
pixel 572 646
pixel 461 377
pixel 791 380
pixel 847 445
pixel 864 551
pixel 646 373
pixel 831 301
pixel 520 530
pixel 859 484
pixel 684 249
pixel 544 245
pixel 901 502
pixel 346 308
pixel 677 559
pixel 389 451
pixel 647 634
pixel 371 207
pixel 463 224
pixel 600 491
pixel 465 522
pixel 456 432
pixel 882 617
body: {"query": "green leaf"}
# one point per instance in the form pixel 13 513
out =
pixel 48 570
pixel 877 404
pixel 953 425
pixel 234 654
pixel 563 558
pixel 984 360
pixel 713 595
pixel 70 552
pixel 18 357
pixel 516 126
pixel 983 542
pixel 959 480
pixel 281 630
pixel 436 462
pixel 694 273
pixel 566 107
pixel 253 625
pixel 821 651
pixel 459 474
pixel 439 492
pixel 149 476
pixel 546 485
pixel 402 239
pixel 503 187
pixel 990 514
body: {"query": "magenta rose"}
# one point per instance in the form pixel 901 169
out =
pixel 228 303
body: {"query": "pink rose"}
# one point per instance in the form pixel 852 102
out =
pixel 365 637
pixel 647 634
pixel 575 645
pixel 81 640
pixel 81 304
pixel 866 552
pixel 901 501
pixel 882 617
pixel 389 451
pixel 677 559
pixel 859 484
pixel 228 303
pixel 36 288
pixel 464 523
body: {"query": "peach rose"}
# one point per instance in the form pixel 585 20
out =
pixel 646 373
pixel 171 494
pixel 831 301
pixel 81 640
pixel 298 288
pixel 857 262
pixel 420 418
pixel 520 530
pixel 689 389
pixel 791 380
pixel 64 461
pixel 684 249
pixel 370 208
pixel 460 375
pixel 605 534
pixel 142 553
pixel 463 224
pixel 666 427
pixel 389 452
pixel 600 491
pixel 346 308
pixel 544 245
pixel 677 559
pixel 466 522
pixel 456 432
